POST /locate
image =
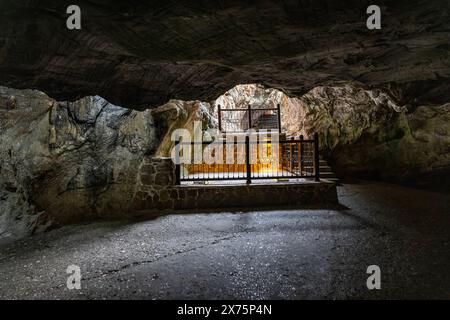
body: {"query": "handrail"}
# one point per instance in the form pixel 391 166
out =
pixel 298 158
pixel 249 110
pixel 252 109
pixel 243 142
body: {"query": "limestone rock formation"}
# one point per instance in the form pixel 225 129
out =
pixel 179 114
pixel 378 98
pixel 62 162
pixel 340 114
pixel 413 148
pixel 66 161
pixel 368 134
pixel 141 54
pixel 363 132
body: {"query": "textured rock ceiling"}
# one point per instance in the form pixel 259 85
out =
pixel 140 54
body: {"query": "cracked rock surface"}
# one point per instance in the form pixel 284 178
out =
pixel 62 161
pixel 368 133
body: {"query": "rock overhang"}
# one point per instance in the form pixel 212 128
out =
pixel 140 55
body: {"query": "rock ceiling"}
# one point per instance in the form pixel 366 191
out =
pixel 140 54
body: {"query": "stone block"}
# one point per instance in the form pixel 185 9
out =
pixel 147 179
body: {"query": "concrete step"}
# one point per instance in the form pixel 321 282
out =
pixel 322 168
pixel 327 175
pixel 326 171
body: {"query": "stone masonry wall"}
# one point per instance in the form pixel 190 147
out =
pixel 156 190
pixel 156 180
pixel 255 195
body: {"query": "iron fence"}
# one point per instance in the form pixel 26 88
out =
pixel 248 160
pixel 240 120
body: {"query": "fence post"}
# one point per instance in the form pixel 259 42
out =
pixel 291 155
pixel 316 157
pixel 279 117
pixel 247 159
pixel 301 155
pixel 177 163
pixel 249 117
pixel 219 112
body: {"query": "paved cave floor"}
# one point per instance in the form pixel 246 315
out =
pixel 279 254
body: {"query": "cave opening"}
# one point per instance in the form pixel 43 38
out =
pixel 246 143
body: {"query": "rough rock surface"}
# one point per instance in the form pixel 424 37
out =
pixel 68 161
pixel 242 96
pixel 366 133
pixel 62 162
pixel 139 54
pixel 363 132
pixel 65 161
pixel 380 98
pixel 177 114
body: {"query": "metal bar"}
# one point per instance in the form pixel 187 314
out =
pixel 304 152
pixel 213 179
pixel 219 111
pixel 316 157
pixel 249 117
pixel 256 109
pixel 244 179
pixel 252 142
pixel 279 117
pixel 177 163
pixel 291 156
pixel 247 159
pixel 297 140
pixel 301 154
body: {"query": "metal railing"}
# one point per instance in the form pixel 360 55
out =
pixel 251 118
pixel 248 160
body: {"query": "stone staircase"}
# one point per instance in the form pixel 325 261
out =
pixel 326 172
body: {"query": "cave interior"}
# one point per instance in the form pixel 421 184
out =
pixel 88 115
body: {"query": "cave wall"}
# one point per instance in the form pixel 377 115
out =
pixel 62 162
pixel 177 114
pixel 378 98
pixel 67 161
pixel 414 149
pixel 367 133
pixel 364 132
